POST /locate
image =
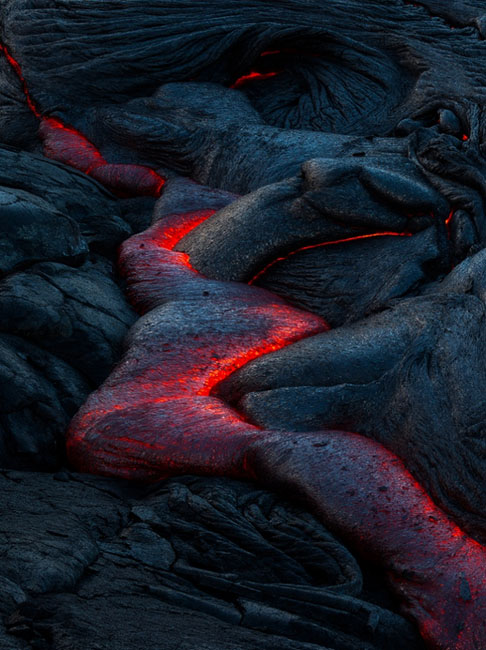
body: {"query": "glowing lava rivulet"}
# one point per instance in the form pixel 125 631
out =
pixel 157 415
pixel 67 145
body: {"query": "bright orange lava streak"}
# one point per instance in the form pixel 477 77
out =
pixel 252 76
pixel 156 416
pixel 67 145
pixel 323 244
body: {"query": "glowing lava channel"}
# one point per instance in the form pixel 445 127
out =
pixel 67 145
pixel 157 416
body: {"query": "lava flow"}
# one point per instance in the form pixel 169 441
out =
pixel 67 145
pixel 252 76
pixel 157 416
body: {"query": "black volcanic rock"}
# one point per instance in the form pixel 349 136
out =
pixel 40 394
pixel 62 315
pixel 78 314
pixel 193 562
pixel 335 121
pixel 30 231
pixel 68 193
pixel 18 125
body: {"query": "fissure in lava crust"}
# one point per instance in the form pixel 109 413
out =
pixel 271 264
pixel 67 145
pixel 157 416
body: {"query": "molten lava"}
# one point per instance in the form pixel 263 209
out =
pixel 67 145
pixel 266 268
pixel 156 414
pixel 252 76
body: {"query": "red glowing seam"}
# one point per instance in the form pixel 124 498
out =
pixel 216 376
pixel 448 226
pixel 323 244
pixel 465 137
pixel 83 142
pixel 57 124
pixel 205 446
pixel 251 77
pixel 172 235
pixel 228 366
pixel 160 184
pixel 18 71
pixel 165 235
pixel 254 74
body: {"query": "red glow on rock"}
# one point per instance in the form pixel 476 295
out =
pixel 218 328
pixel 67 145
pixel 156 416
pixel 173 229
pixel 465 137
pixel 448 223
pixel 322 245
pixel 70 147
pixel 128 180
pixel 252 76
pixel 18 71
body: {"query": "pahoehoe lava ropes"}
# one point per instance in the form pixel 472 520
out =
pixel 242 244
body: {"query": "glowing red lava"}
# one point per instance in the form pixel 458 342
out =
pixel 256 277
pixel 156 416
pixel 67 145
pixel 18 71
pixel 252 76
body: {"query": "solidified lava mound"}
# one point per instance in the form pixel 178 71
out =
pixel 243 279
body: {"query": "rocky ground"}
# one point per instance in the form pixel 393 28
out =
pixel 367 123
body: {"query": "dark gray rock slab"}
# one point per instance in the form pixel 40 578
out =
pixel 40 394
pixel 32 231
pixel 63 316
pixel 206 563
pixel 80 315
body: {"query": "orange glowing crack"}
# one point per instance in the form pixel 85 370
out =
pixel 70 147
pixel 321 245
pixel 252 76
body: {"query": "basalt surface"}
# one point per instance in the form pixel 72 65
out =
pixel 242 240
